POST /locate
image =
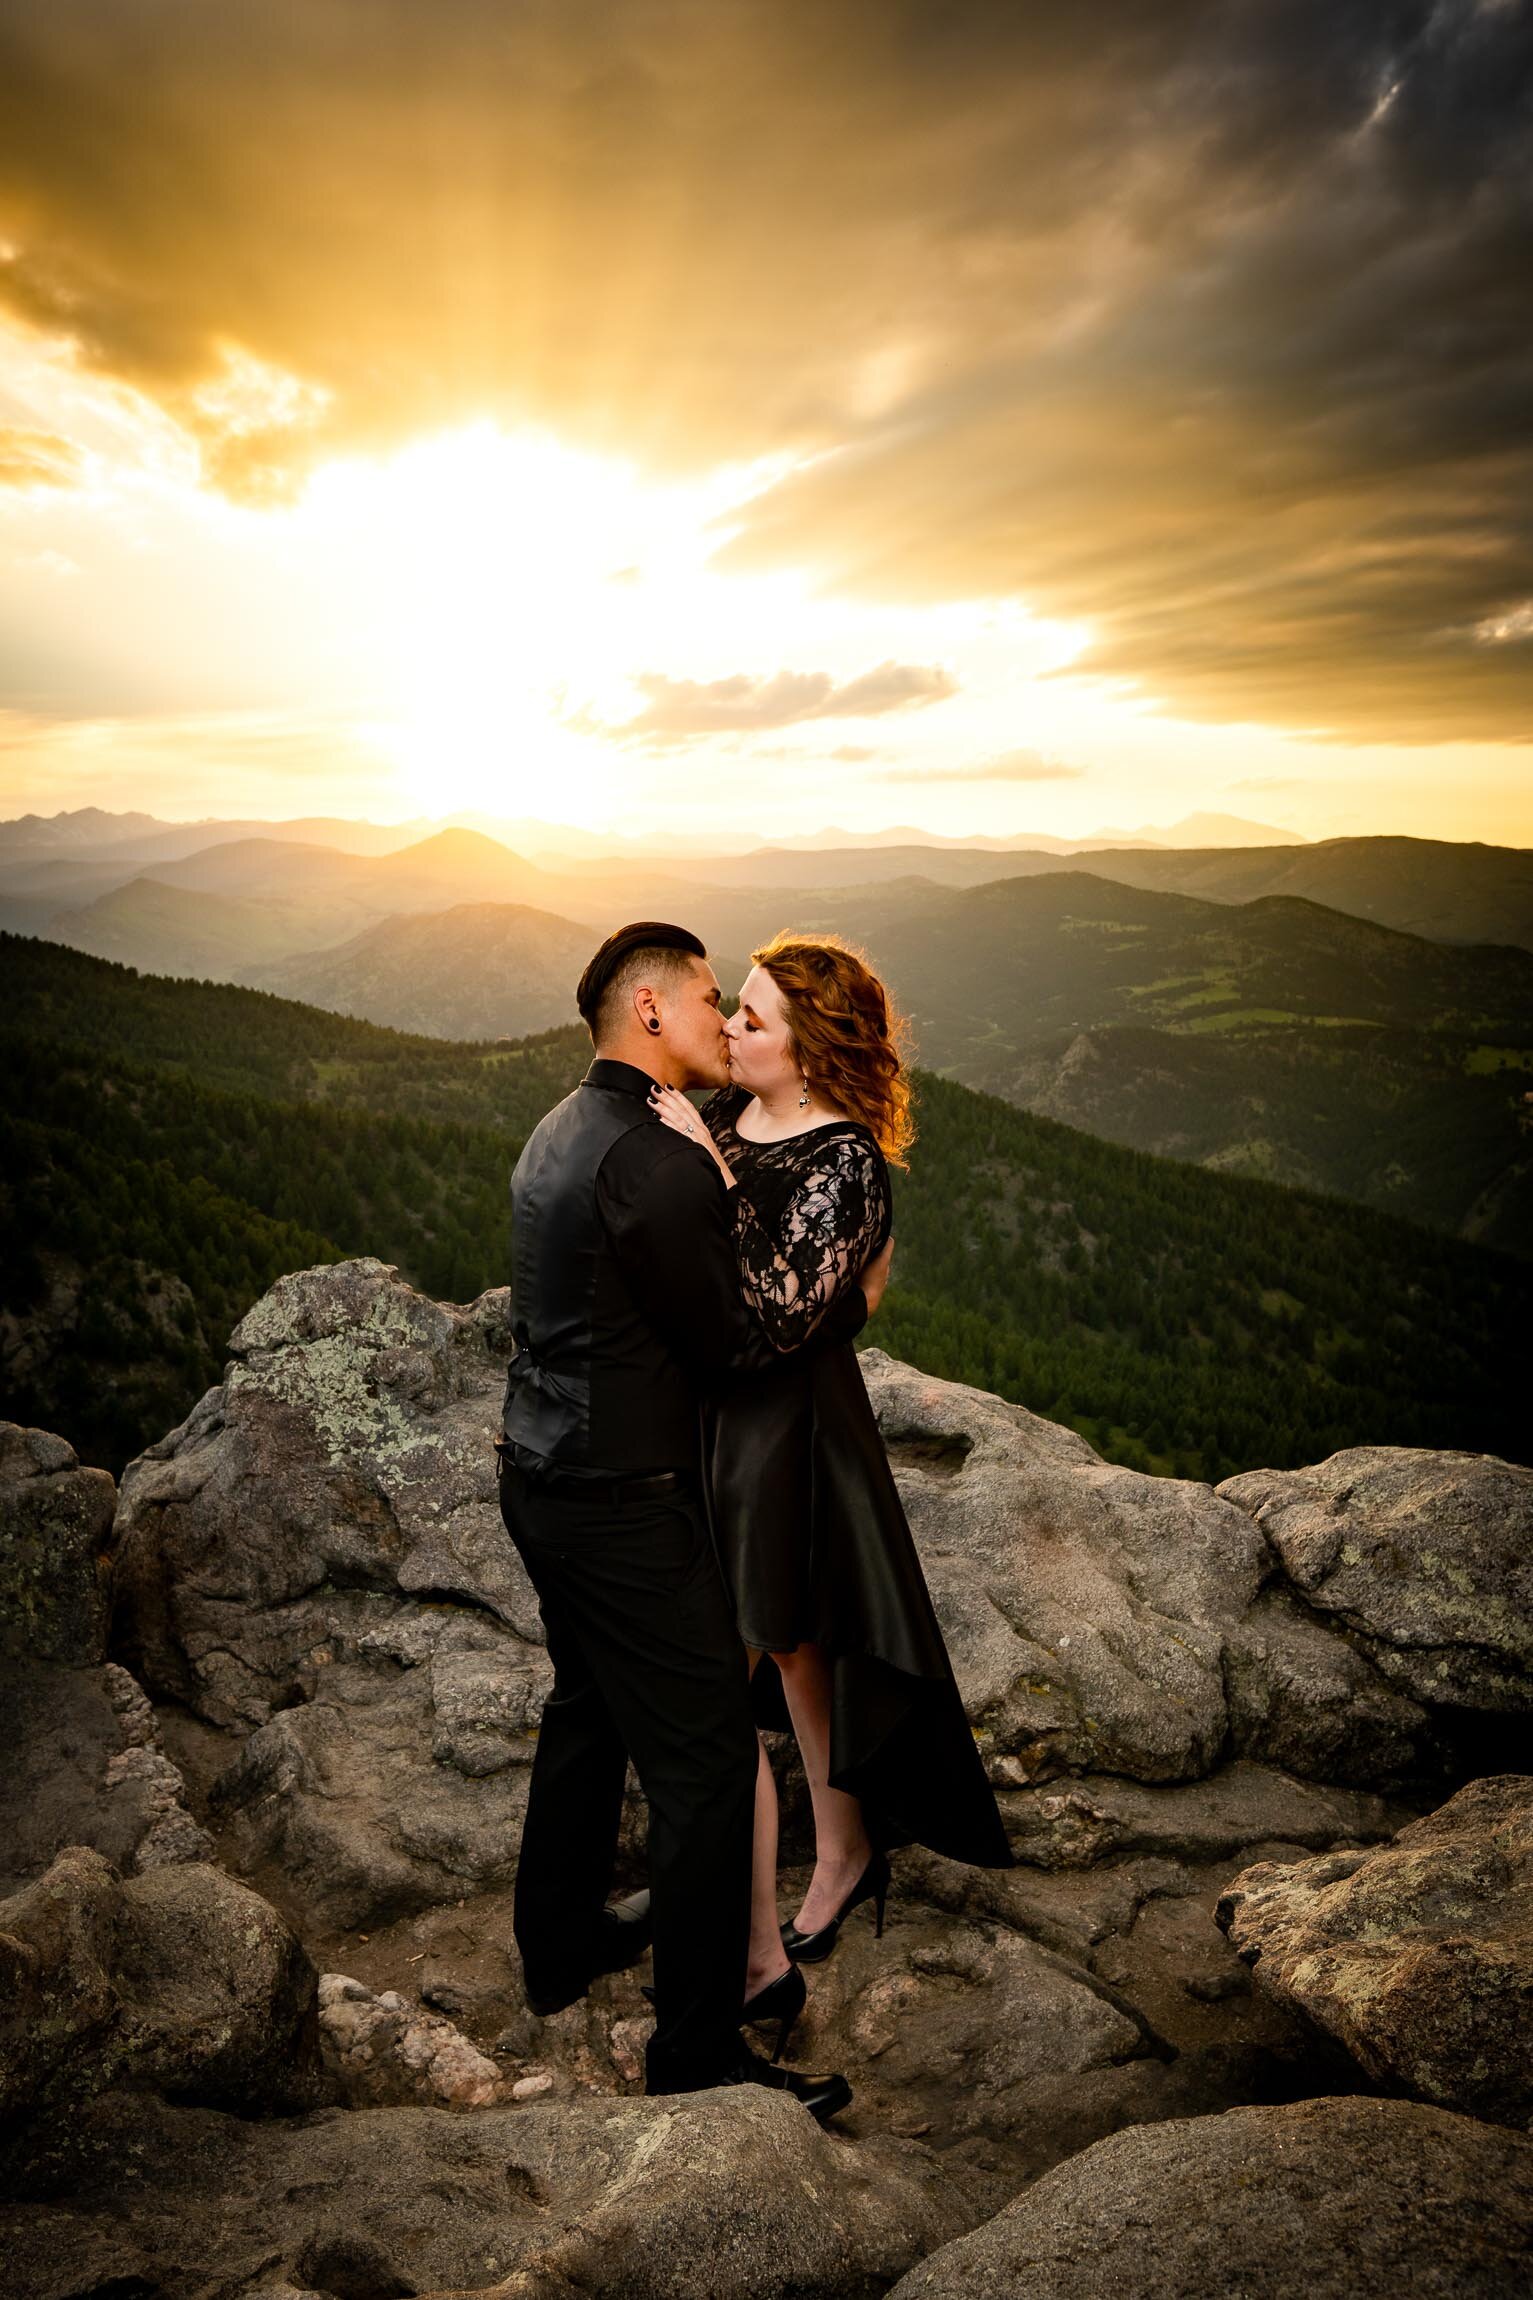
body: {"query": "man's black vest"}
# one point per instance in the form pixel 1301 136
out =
pixel 571 1313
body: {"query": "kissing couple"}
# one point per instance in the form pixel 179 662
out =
pixel 692 1474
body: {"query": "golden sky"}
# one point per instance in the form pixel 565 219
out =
pixel 647 412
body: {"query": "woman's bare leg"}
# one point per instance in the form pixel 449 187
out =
pixel 768 1958
pixel 842 1846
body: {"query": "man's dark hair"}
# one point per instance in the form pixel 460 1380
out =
pixel 649 945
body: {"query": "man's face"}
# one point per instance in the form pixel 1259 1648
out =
pixel 692 1029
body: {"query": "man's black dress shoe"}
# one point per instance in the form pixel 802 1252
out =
pixel 823 2096
pixel 623 1933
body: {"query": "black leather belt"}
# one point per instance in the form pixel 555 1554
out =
pixel 589 1485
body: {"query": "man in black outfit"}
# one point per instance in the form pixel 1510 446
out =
pixel 626 1304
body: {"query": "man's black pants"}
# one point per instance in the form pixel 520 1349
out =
pixel 648 1664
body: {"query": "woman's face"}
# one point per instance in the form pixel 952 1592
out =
pixel 759 1055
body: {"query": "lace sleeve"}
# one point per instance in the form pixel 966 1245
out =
pixel 718 1114
pixel 835 1219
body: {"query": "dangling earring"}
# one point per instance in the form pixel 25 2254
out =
pixel 803 1100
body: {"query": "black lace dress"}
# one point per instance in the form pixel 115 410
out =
pixel 810 1530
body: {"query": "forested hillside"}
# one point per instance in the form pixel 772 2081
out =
pixel 168 1148
pixel 1186 1321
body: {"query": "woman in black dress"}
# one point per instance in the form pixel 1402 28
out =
pixel 828 1589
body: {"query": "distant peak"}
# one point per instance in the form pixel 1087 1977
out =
pixel 1205 830
pixel 459 846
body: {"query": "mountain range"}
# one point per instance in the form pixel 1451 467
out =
pixel 1450 891
pixel 1355 1015
pixel 82 829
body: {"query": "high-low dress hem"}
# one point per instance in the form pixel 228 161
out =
pixel 815 1545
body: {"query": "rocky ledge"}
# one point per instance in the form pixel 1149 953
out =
pixel 265 2034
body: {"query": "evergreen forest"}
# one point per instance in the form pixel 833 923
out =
pixel 170 1147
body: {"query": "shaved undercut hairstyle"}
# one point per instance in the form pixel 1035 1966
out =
pixel 648 951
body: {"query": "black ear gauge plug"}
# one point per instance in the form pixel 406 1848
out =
pixel 654 1026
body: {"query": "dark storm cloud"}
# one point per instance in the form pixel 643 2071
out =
pixel 680 709
pixel 1202 321
pixel 1288 476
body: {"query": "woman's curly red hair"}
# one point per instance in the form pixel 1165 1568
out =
pixel 845 1033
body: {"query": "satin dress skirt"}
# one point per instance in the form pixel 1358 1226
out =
pixel 816 1548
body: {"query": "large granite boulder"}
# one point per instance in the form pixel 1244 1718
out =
pixel 331 1506
pixel 315 1561
pixel 55 1541
pixel 1424 1559
pixel 1086 1607
pixel 1416 1955
pixel 1105 1621
pixel 402 1781
pixel 345 1458
pixel 734 2195
pixel 85 1761
pixel 181 1982
pixel 1339 2199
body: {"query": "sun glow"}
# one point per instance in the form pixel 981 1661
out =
pixel 491 620
pixel 510 588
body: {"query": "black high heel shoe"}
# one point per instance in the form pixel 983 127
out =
pixel 781 2000
pixel 873 1885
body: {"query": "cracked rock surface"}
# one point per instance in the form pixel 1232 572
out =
pixel 85 1759
pixel 1425 1558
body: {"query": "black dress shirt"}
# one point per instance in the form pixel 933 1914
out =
pixel 626 1296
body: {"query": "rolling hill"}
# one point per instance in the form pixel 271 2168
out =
pixel 1443 889
pixel 245 903
pixel 1000 966
pixel 1275 1038
pixel 480 970
pixel 221 936
pixel 1449 891
pixel 1070 992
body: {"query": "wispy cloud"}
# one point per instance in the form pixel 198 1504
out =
pixel 37 458
pixel 1010 767
pixel 682 710
pixel 1507 627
